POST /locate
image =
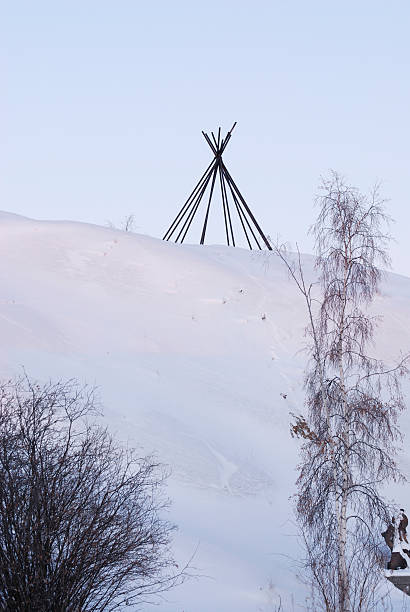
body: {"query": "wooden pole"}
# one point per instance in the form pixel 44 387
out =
pixel 254 221
pixel 184 208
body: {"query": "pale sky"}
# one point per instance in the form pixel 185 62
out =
pixel 103 103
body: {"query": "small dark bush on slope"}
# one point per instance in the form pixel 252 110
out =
pixel 79 516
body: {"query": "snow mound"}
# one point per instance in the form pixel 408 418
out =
pixel 197 355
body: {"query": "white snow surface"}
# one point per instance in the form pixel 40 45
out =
pixel 193 350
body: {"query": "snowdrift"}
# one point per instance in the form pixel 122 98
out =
pixel 197 353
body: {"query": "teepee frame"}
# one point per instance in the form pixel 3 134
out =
pixel 183 221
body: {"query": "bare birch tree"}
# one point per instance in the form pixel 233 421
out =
pixel 353 401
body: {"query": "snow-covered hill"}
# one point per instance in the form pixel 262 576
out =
pixel 197 355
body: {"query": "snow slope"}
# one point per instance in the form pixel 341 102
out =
pixel 193 350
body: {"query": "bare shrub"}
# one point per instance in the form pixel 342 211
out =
pixel 126 225
pixel 81 525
